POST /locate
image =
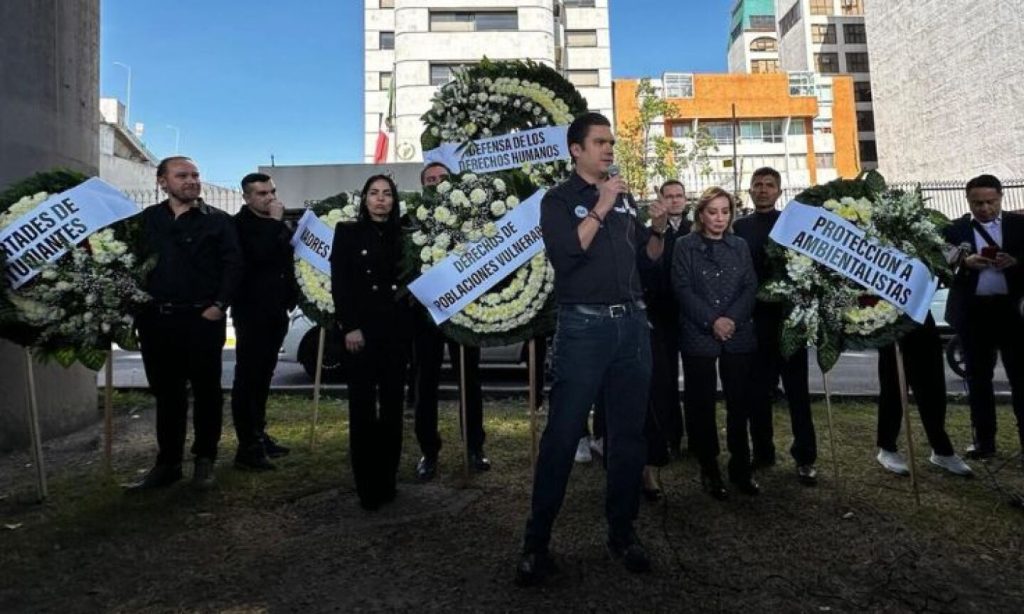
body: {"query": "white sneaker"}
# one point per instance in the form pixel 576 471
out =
pixel 583 450
pixel 952 463
pixel 893 461
pixel 597 446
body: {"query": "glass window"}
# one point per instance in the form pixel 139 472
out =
pixel 387 40
pixel 862 91
pixel 824 34
pixel 579 3
pixel 496 21
pixel 822 7
pixel 801 84
pixel 721 132
pixel 387 4
pixel 790 19
pixel 865 121
pixel 868 151
pixel 825 96
pixel 764 44
pixel 764 66
pixel 762 131
pixel 385 81
pixel 443 73
pixel 853 7
pixel 483 21
pixel 680 130
pixel 581 38
pixel 857 62
pixel 854 34
pixel 677 85
pixel 797 127
pixel 825 160
pixel 762 23
pixel 584 78
pixel 827 62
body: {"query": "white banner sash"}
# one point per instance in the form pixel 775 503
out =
pixel 45 233
pixel 498 153
pixel 830 240
pixel 313 240
pixel 447 287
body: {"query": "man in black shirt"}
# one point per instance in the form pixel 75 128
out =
pixel 602 341
pixel 260 315
pixel 181 332
pixel 765 190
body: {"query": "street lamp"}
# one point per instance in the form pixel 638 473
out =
pixel 128 95
pixel 177 137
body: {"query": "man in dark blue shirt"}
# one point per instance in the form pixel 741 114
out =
pixel 602 341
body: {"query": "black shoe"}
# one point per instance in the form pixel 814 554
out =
pixel 274 449
pixel 478 461
pixel 976 452
pixel 747 486
pixel 370 505
pixel 533 567
pixel 388 495
pixel 202 474
pixel 426 469
pixel 632 554
pixel 712 484
pixel 762 462
pixel 253 462
pixel 807 475
pixel 160 476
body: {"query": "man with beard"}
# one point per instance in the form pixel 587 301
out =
pixel 182 330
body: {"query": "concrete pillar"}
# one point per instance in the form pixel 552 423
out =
pixel 49 117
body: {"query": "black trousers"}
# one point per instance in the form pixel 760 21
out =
pixel 994 325
pixel 429 349
pixel 375 388
pixel 666 426
pixel 258 341
pixel 699 396
pixel 769 366
pixel 179 350
pixel 926 376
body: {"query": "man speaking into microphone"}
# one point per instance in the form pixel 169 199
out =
pixel 597 246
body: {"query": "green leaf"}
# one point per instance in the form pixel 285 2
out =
pixel 829 349
pixel 791 341
pixel 65 356
pixel 874 181
pixel 92 358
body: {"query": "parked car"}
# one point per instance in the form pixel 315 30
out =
pixel 300 345
pixel 954 348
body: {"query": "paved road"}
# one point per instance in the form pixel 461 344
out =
pixel 855 374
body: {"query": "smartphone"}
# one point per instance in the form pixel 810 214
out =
pixel 990 252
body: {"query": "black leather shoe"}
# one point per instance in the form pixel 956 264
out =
pixel 807 475
pixel 747 486
pixel 533 567
pixel 426 469
pixel 478 461
pixel 160 476
pixel 712 484
pixel 976 452
pixel 631 553
pixel 202 474
pixel 253 462
pixel 274 449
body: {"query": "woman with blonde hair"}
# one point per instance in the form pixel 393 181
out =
pixel 713 279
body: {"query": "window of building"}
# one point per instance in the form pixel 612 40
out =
pixel 480 21
pixel 736 32
pixel 854 34
pixel 822 7
pixel 826 62
pixel 853 7
pixel 387 40
pixel 790 19
pixel 581 38
pixel 856 62
pixel 680 130
pixel 387 4
pixel 865 121
pixel 825 160
pixel 825 95
pixel 764 66
pixel 385 81
pixel 824 34
pixel 868 151
pixel 762 23
pixel 677 85
pixel 579 4
pixel 721 132
pixel 441 73
pixel 764 44
pixel 801 84
pixel 762 131
pixel 584 78
pixel 862 91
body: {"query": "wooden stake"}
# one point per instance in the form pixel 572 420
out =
pixel 533 404
pixel 108 411
pixel 33 427
pixel 831 434
pixel 905 404
pixel 316 385
pixel 462 409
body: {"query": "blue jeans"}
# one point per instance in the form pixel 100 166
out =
pixel 594 353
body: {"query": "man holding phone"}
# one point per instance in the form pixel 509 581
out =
pixel 982 306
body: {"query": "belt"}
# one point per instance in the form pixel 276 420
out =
pixel 607 311
pixel 166 309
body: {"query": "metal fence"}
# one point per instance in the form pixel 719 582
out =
pixel 215 196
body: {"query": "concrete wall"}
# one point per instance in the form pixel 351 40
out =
pixel 49 76
pixel 947 91
pixel 300 186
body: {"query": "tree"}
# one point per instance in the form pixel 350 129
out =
pixel 647 159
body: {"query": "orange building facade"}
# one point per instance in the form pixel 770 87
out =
pixel 801 124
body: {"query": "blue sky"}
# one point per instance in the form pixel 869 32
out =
pixel 242 80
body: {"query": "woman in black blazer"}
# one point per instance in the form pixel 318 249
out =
pixel 375 323
pixel 714 282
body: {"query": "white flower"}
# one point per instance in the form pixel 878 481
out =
pixel 497 208
pixel 419 238
pixel 478 196
pixel 422 213
pixel 444 187
pixel 443 240
pixel 499 185
pixel 439 254
pixel 426 254
pixel 490 229
pixel 470 129
pixel 512 202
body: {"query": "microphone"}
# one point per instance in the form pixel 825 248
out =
pixel 613 171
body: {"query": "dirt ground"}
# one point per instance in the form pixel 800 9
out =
pixel 445 548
